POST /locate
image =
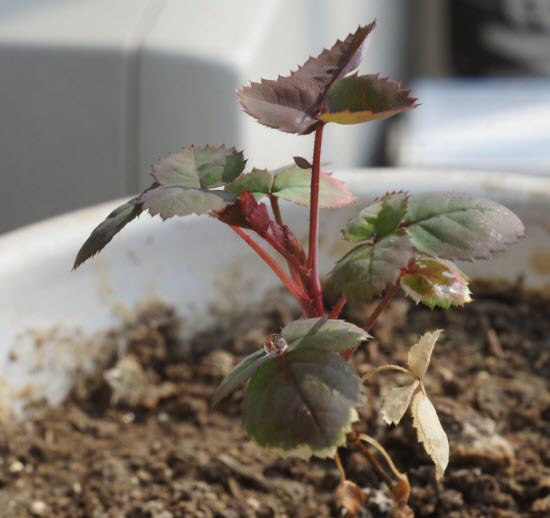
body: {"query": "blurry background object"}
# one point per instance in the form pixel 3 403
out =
pixel 484 67
pixel 94 91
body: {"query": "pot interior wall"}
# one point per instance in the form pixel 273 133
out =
pixel 198 265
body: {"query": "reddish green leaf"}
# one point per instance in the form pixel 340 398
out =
pixel 304 399
pixel 436 282
pixel 329 335
pixel 460 226
pixel 380 218
pixel 292 102
pixel 358 99
pixel 246 212
pixel 368 269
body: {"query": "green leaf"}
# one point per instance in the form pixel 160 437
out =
pixel 176 200
pixel 460 226
pixel 368 269
pixel 197 168
pixel 258 182
pixel 358 99
pixel 321 333
pixel 292 183
pixel 107 229
pixel 380 218
pixel 436 282
pixel 241 373
pixel 291 103
pixel 302 400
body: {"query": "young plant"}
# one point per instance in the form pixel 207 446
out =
pixel 303 394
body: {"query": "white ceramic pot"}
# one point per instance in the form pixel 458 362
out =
pixel 198 264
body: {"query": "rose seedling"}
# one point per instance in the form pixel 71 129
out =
pixel 303 394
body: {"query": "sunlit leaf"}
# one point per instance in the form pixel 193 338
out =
pixel 430 432
pixel 380 218
pixel 436 282
pixel 397 401
pixel 176 200
pixel 293 183
pixel 241 374
pixel 330 335
pixel 421 352
pixel 292 102
pixel 460 226
pixel 358 99
pixel 302 400
pixel 197 168
pixel 258 182
pixel 368 269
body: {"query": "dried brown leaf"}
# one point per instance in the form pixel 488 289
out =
pixel 397 401
pixel 421 352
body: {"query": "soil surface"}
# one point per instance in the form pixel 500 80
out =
pixel 139 439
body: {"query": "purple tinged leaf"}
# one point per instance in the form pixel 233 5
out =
pixel 460 226
pixel 322 333
pixel 291 103
pixel 303 399
pixel 436 282
pixel 358 99
pixel 369 269
pixel 301 162
pixel 380 218
pixel 241 374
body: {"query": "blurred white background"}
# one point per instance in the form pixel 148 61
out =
pixel 92 92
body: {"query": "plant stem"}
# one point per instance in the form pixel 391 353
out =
pixel 338 462
pixel 373 442
pixel 298 294
pixel 313 251
pixel 373 460
pixel 366 376
pixel 296 268
pixel 279 219
pixel 337 308
pixel 381 305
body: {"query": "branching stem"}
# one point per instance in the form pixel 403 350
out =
pixel 313 251
pixel 373 460
pixel 386 368
pixel 298 294
pixel 383 452
pixel 337 308
pixel 381 305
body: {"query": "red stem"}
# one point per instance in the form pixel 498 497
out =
pixel 313 252
pixel 337 308
pixel 292 266
pixel 375 314
pixel 381 305
pixel 298 294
